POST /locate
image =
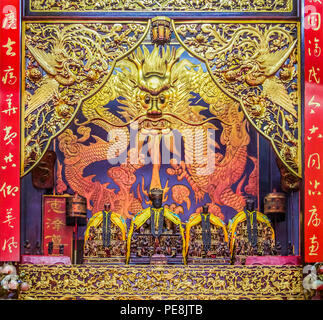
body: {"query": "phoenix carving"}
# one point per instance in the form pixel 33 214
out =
pixel 261 69
pixel 256 64
pixel 58 67
pixel 65 62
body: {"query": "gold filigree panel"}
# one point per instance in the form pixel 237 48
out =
pixel 256 64
pixel 162 5
pixel 66 63
pixel 152 282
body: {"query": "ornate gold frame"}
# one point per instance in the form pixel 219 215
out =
pixel 297 172
pixel 167 7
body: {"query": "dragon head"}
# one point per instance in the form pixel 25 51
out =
pixel 155 79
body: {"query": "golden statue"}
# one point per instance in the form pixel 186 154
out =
pixel 251 232
pixel 156 232
pixel 207 239
pixel 105 238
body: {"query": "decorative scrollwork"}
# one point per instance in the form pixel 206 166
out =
pixel 162 5
pixel 153 282
pixel 65 63
pixel 256 64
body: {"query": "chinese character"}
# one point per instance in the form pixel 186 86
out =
pixel 9 136
pixel 56 205
pixel 314 104
pixel 317 49
pixel 9 243
pixel 12 78
pixel 319 1
pixel 56 224
pixel 8 190
pixel 314 218
pixel 9 218
pixel 9 47
pixel 313 72
pixel 313 193
pixel 314 161
pixel 314 247
pixel 57 240
pixel 10 107
pixel 7 159
pixel 314 20
pixel 10 18
pixel 313 130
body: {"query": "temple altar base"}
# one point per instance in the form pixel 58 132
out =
pixel 97 282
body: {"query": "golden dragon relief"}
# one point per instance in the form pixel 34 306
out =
pixel 153 90
pixel 65 63
pixel 257 65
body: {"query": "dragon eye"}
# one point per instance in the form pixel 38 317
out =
pixel 147 99
pixel 162 99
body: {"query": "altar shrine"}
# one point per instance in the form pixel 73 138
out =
pixel 160 150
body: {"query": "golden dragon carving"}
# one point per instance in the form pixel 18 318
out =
pixel 153 89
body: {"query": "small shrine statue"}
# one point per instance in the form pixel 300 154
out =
pixel 250 233
pixel 207 240
pixel 156 235
pixel 105 238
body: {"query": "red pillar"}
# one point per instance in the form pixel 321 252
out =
pixel 313 132
pixel 10 130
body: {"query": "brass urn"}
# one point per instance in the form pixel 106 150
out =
pixel 275 204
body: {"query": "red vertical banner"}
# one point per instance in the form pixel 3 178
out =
pixel 54 225
pixel 10 130
pixel 313 132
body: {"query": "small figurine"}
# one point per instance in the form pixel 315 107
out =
pixel 38 248
pixel 168 246
pixel 27 247
pixel 107 252
pixel 179 246
pixel 254 249
pixel 50 247
pixel 104 232
pixel 278 248
pixel 238 246
pixel 267 247
pixel 61 249
pixel 251 226
pixel 92 233
pixel 158 223
pixel 208 236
